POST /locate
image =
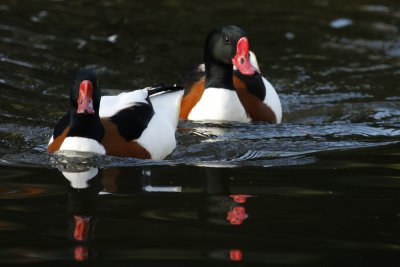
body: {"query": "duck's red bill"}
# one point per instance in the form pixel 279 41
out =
pixel 85 99
pixel 241 59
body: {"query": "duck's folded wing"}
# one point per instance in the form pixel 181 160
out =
pixel 111 105
pixel 272 100
pixel 167 105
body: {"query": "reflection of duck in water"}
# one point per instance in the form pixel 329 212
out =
pixel 87 185
pixel 221 209
pixel 83 189
pixel 237 214
pixel 222 206
pixel 84 186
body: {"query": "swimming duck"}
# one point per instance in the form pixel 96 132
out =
pixel 229 86
pixel 125 125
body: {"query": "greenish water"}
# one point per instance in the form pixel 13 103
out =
pixel 322 189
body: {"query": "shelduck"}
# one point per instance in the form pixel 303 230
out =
pixel 229 86
pixel 125 125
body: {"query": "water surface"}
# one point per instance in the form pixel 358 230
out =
pixel 322 188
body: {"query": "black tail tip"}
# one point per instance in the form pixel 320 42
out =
pixel 164 88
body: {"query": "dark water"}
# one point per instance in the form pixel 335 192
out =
pixel 322 189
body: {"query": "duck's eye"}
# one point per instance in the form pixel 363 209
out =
pixel 227 40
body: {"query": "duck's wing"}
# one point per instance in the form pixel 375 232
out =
pixel 111 105
pixel 166 102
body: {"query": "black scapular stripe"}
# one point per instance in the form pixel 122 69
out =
pixel 132 121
